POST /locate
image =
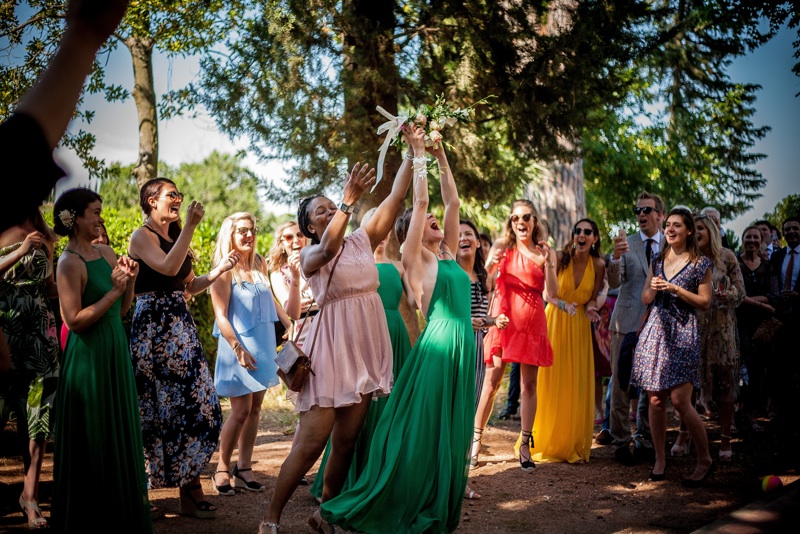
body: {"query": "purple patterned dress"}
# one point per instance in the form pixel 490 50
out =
pixel 668 351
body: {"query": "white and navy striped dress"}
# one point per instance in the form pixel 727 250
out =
pixel 480 306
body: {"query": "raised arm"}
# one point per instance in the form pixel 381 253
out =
pixel 450 199
pixel 381 222
pixel 144 244
pixel 413 261
pixel 51 102
pixel 313 257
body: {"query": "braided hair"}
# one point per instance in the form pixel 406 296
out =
pixel 304 218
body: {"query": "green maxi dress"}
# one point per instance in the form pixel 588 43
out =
pixel 98 466
pixel 391 291
pixel 416 473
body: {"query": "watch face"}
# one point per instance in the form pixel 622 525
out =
pixel 347 209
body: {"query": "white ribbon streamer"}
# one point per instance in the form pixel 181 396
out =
pixel 392 128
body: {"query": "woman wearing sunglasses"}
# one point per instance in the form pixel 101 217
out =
pixel 563 429
pixel 180 411
pixel 245 312
pixel 290 288
pixel 525 264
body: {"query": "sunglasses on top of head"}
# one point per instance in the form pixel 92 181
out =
pixel 243 231
pixel 647 210
pixel 586 231
pixel 525 217
pixel 175 195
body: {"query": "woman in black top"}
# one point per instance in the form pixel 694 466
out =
pixel 761 290
pixel 180 411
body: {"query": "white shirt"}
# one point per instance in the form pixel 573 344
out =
pixel 795 267
pixel 656 246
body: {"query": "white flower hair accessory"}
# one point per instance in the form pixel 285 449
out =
pixel 67 218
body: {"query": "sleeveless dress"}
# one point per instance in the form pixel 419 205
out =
pixel 181 416
pixel 391 291
pixel 562 429
pixel 29 324
pixel 348 341
pixel 668 351
pixel 519 296
pixel 98 475
pixel 252 314
pixel 416 473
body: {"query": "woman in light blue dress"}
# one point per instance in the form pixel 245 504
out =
pixel 245 311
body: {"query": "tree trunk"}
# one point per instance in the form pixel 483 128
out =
pixel 144 96
pixel 370 79
pixel 560 198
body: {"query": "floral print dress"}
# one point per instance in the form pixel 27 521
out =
pixel 668 352
pixel 30 329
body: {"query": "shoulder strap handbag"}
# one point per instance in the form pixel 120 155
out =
pixel 294 365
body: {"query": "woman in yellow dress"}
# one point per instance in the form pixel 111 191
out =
pixel 562 430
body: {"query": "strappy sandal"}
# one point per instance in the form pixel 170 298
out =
pixel 225 489
pixel 198 509
pixel 527 442
pixel 471 495
pixel 726 457
pixel 240 482
pixel 477 434
pixel 37 522
pixel 320 525
pixel 268 528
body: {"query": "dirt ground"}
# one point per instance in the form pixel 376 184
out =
pixel 601 496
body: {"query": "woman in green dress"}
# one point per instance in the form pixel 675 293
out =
pixel 416 473
pixel 391 290
pixel 98 467
pixel 29 388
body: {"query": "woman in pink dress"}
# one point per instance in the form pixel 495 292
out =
pixel 526 264
pixel 348 342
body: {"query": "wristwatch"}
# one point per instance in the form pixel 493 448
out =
pixel 347 208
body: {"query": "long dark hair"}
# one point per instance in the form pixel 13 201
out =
pixel 691 239
pixel 150 189
pixel 478 265
pixel 569 249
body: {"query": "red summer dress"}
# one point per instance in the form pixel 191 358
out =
pixel 519 296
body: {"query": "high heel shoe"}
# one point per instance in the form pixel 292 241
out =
pixel 527 443
pixel 190 506
pixel 658 477
pixel 682 444
pixel 699 482
pixel 240 482
pixel 476 447
pixel 320 525
pixel 36 522
pixel 225 489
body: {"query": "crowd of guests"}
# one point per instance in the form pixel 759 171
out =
pixel 678 318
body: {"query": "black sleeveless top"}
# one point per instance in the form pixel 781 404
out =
pixel 151 280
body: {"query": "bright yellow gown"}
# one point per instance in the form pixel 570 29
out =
pixel 562 429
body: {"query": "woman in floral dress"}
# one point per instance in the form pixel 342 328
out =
pixel 719 342
pixel 180 411
pixel 666 361
pixel 26 282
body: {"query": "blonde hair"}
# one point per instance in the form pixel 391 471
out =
pixel 714 239
pixel 277 257
pixel 252 262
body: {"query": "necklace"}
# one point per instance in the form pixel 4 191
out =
pixel 676 263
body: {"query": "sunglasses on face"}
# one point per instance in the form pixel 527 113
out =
pixel 647 210
pixel 244 230
pixel 175 195
pixel 586 231
pixel 526 217
pixel 290 237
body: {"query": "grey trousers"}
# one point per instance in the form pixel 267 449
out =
pixel 620 407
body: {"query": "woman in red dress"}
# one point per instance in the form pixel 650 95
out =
pixel 525 264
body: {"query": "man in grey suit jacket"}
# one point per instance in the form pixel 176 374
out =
pixel 628 271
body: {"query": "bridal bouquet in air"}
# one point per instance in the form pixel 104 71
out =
pixel 433 118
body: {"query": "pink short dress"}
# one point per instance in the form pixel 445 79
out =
pixel 352 354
